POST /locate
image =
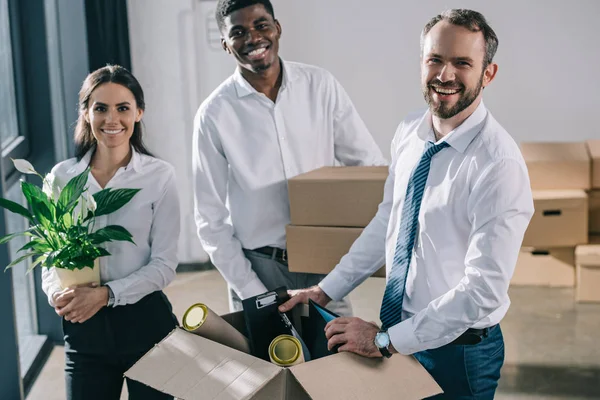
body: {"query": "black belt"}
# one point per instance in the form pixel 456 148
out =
pixel 472 336
pixel 274 252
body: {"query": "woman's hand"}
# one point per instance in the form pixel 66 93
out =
pixel 78 304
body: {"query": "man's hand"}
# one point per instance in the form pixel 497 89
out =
pixel 301 296
pixel 81 302
pixel 354 335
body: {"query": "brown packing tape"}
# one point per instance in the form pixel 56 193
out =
pixel 202 321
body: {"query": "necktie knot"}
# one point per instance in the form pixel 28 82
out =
pixel 431 148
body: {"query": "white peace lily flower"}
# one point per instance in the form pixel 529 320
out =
pixel 90 202
pixel 24 166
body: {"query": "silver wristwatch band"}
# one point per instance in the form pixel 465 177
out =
pixel 111 297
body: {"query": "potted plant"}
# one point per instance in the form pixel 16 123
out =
pixel 61 225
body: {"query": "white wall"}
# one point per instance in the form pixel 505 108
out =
pixel 546 88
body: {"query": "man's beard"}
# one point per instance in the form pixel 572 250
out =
pixel 467 97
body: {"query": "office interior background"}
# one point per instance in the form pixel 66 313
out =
pixel 546 90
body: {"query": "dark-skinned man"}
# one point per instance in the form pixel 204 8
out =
pixel 270 121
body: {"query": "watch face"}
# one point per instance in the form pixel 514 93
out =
pixel 382 339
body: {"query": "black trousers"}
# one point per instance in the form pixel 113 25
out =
pixel 100 350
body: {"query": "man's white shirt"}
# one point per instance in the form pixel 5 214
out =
pixel 476 207
pixel 246 147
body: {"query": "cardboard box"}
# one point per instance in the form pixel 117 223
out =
pixel 318 249
pixel 594 150
pixel 594 211
pixel 554 267
pixel 587 258
pixel 337 196
pixel 191 367
pixel 557 166
pixel 560 219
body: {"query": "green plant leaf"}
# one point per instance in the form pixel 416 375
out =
pixel 7 238
pixel 110 200
pixel 16 208
pixel 72 191
pixel 38 245
pixel 42 213
pixel 102 252
pixel 110 233
pixel 49 261
pixel 18 260
pixel 42 207
pixel 35 263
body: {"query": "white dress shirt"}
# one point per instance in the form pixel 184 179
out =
pixel 152 217
pixel 245 149
pixel 476 207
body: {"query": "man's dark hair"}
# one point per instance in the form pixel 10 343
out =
pixel 226 7
pixel 473 21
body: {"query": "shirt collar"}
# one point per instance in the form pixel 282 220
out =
pixel 243 87
pixel 135 163
pixel 463 135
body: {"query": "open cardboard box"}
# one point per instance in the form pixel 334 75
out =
pixel 191 367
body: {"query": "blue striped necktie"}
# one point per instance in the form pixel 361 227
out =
pixel 391 307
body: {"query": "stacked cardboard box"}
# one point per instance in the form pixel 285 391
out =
pixel 329 208
pixel 587 257
pixel 560 175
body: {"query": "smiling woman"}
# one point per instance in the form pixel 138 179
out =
pixel 108 327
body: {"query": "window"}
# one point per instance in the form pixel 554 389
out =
pixel 13 141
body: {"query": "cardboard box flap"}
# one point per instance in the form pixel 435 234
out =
pixel 327 174
pixel 349 376
pixel 588 255
pixel 191 367
pixel 558 199
pixel 594 148
pixel 555 152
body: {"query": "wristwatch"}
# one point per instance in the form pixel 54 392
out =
pixel 382 342
pixel 111 297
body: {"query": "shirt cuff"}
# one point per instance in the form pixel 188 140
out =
pixel 252 288
pixel 51 291
pixel 335 286
pixel 403 338
pixel 117 290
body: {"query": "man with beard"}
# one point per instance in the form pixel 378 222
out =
pixel 270 121
pixel 456 206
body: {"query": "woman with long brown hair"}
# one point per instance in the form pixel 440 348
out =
pixel 108 327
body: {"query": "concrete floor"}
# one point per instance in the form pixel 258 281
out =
pixel 552 343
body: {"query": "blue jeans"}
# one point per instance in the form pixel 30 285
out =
pixel 469 371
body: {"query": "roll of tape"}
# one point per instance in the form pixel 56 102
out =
pixel 202 321
pixel 285 351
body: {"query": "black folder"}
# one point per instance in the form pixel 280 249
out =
pixel 314 330
pixel 264 322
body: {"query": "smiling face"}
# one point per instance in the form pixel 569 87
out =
pixel 252 36
pixel 112 114
pixel 452 69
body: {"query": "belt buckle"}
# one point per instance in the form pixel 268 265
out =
pixel 284 255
